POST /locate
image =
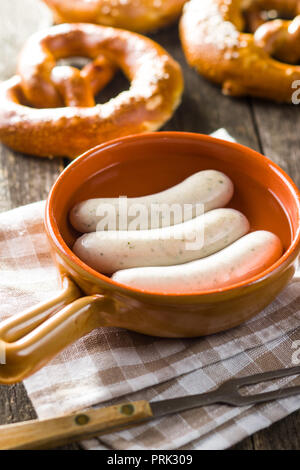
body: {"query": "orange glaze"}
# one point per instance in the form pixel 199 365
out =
pixel 137 165
pixel 141 165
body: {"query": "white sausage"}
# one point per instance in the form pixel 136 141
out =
pixel 211 188
pixel 247 257
pixel 110 251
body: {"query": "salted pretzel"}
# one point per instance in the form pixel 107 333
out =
pixel 214 42
pixel 280 39
pixel 258 12
pixel 49 110
pixel 135 15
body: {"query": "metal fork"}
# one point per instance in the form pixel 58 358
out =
pixel 97 421
pixel 229 393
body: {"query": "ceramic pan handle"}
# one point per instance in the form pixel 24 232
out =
pixel 29 340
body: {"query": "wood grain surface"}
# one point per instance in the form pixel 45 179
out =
pixel 270 128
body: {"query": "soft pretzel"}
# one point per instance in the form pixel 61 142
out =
pixel 135 15
pixel 155 91
pixel 257 12
pixel 281 39
pixel 244 64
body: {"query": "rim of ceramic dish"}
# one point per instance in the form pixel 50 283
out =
pixel 60 245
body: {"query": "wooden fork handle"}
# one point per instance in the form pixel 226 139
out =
pixel 65 429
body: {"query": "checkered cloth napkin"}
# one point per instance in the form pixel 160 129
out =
pixel 111 365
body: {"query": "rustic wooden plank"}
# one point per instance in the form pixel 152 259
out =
pixel 25 179
pixel 246 444
pixel 278 129
pixel 204 109
pixel 283 435
pixel 14 404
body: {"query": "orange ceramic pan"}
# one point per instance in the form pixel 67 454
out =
pixel 134 166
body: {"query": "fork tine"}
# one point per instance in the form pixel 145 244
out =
pixel 265 376
pixel 268 396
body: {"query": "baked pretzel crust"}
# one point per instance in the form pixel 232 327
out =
pixel 155 91
pixel 213 43
pixel 135 15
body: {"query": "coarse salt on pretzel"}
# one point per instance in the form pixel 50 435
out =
pixel 135 15
pixel 155 91
pixel 244 64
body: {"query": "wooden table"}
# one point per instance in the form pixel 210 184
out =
pixel 269 128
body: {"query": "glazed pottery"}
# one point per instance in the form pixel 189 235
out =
pixel 135 166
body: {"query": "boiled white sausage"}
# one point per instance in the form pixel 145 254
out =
pixel 109 251
pixel 245 258
pixel 211 188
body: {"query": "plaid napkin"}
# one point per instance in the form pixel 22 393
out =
pixel 111 365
